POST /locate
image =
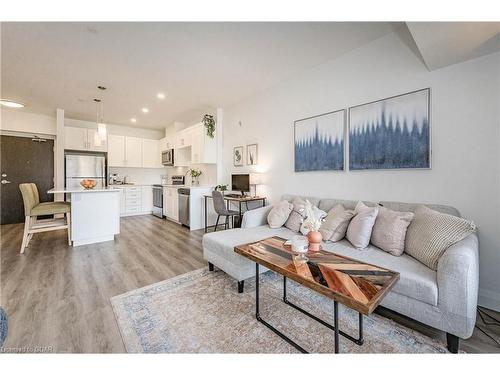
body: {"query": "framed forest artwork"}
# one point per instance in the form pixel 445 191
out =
pixel 319 142
pixel 392 133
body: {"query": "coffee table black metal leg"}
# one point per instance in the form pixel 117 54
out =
pixel 259 319
pixel 336 324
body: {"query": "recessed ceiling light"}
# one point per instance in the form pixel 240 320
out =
pixel 145 110
pixel 160 95
pixel 11 104
pixel 133 119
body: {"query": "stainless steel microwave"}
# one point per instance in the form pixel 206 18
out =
pixel 167 157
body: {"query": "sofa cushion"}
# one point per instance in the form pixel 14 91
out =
pixel 279 214
pixel 360 228
pixel 327 204
pixel 288 197
pixel 432 232
pixel 298 214
pixel 336 223
pixel 411 207
pixel 389 231
pixel 416 280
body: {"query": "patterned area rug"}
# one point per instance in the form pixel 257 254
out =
pixel 201 312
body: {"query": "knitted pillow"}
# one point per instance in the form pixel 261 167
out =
pixel 432 232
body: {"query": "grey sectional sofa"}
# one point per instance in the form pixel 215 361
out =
pixel 445 299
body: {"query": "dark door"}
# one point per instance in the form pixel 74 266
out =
pixel 24 160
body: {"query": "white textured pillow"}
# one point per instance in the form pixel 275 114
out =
pixel 432 232
pixel 389 231
pixel 336 223
pixel 318 214
pixel 360 228
pixel 279 214
pixel 297 216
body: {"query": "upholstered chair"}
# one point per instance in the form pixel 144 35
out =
pixel 221 209
pixel 33 208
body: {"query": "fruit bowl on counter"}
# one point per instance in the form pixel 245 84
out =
pixel 88 184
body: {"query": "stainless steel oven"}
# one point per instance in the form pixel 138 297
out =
pixel 167 157
pixel 158 200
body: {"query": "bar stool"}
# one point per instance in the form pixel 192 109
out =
pixel 33 208
pixel 221 209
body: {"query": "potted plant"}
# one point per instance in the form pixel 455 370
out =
pixel 222 188
pixel 195 175
pixel 209 122
pixel 312 224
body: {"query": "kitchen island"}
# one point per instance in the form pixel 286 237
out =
pixel 95 214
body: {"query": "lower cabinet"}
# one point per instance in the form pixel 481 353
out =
pixel 136 200
pixel 171 203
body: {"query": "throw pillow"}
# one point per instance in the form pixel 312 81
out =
pixel 279 214
pixel 297 215
pixel 432 232
pixel 318 214
pixel 336 223
pixel 389 231
pixel 360 228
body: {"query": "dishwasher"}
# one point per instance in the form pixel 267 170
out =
pixel 184 206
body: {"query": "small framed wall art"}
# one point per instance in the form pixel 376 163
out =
pixel 238 156
pixel 252 154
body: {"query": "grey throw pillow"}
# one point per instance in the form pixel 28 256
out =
pixel 336 223
pixel 389 231
pixel 279 214
pixel 431 233
pixel 360 228
pixel 297 215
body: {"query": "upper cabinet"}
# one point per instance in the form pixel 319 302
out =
pixel 83 139
pixel 133 152
pixel 151 154
pixel 203 148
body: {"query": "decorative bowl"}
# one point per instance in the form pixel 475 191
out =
pixel 88 184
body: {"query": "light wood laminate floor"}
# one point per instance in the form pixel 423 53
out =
pixel 57 296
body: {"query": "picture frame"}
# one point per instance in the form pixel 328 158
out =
pixel 393 133
pixel 238 156
pixel 252 154
pixel 319 142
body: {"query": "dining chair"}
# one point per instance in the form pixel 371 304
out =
pixel 221 209
pixel 33 208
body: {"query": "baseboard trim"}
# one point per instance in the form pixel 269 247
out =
pixel 489 299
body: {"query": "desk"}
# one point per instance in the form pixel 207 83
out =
pixel 238 200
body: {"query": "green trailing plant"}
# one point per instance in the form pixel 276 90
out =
pixel 221 188
pixel 209 122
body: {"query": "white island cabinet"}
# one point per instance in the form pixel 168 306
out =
pixel 95 214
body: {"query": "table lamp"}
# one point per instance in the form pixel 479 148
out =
pixel 255 179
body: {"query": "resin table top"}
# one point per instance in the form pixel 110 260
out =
pixel 357 285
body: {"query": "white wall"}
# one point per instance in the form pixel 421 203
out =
pixel 119 129
pixel 465 137
pixel 20 121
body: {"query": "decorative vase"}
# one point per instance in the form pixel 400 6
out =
pixel 314 238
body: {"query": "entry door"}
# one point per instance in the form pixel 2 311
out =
pixel 24 160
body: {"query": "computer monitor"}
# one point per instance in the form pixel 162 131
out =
pixel 240 182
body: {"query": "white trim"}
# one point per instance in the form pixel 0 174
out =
pixel 14 133
pixel 489 299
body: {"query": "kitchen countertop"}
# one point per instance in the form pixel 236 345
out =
pixel 107 189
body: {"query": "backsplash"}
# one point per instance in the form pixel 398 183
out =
pixel 140 175
pixel 208 175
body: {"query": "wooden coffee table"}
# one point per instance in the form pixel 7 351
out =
pixel 357 285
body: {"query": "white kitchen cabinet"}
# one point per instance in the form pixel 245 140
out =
pixel 171 203
pixel 83 139
pixel 147 199
pixel 116 150
pixel 203 148
pixel 163 144
pixel 151 155
pixel 183 138
pixel 133 152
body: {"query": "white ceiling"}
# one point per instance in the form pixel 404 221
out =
pixel 199 66
pixel 445 43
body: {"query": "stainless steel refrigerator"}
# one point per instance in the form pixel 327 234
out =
pixel 79 167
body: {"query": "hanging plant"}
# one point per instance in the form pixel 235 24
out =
pixel 209 122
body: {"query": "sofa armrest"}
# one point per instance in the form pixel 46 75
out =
pixel 256 217
pixel 458 283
